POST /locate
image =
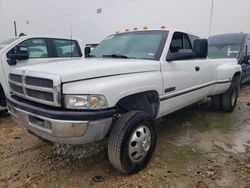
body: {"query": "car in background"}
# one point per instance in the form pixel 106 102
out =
pixel 232 45
pixel 42 49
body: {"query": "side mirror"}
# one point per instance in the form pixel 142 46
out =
pixel 21 53
pixel 87 51
pixel 201 48
pixel 181 55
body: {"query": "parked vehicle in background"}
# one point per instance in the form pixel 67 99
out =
pixel 129 80
pixel 92 46
pixel 41 49
pixel 234 45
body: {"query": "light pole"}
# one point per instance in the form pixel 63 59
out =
pixel 211 18
pixel 15 29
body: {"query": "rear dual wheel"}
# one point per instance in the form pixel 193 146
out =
pixel 229 99
pixel 226 101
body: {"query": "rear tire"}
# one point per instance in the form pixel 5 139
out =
pixel 229 98
pixel 132 142
pixel 216 102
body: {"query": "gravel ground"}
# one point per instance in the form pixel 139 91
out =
pixel 196 147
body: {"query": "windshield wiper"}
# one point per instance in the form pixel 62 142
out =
pixel 115 56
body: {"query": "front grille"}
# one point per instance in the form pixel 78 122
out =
pixel 36 86
pixel 47 96
pixel 16 78
pixel 17 89
pixel 39 82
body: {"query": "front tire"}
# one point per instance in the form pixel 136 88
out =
pixel 132 142
pixel 2 97
pixel 229 98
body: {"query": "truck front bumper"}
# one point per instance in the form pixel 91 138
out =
pixel 61 126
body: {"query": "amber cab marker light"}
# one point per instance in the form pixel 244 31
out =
pixel 145 27
pixel 135 29
pixel 117 32
pixel 163 27
pixel 126 30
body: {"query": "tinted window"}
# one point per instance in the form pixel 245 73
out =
pixel 186 42
pixel 223 50
pixel 135 45
pixel 66 48
pixel 225 46
pixel 180 41
pixel 192 39
pixel 37 48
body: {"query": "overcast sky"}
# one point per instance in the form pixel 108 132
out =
pixel 61 17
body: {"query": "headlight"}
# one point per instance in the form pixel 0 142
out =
pixel 85 101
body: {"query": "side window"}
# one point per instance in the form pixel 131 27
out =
pixel 192 39
pixel 180 41
pixel 37 47
pixel 66 48
pixel 186 43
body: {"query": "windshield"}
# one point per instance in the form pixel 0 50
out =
pixel 134 45
pixel 223 50
pixel 7 41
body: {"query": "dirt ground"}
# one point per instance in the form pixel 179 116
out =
pixel 196 147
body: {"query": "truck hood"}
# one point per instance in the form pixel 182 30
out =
pixel 71 70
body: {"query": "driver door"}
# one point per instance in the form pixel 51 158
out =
pixel 182 78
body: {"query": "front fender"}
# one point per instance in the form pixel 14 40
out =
pixel 117 87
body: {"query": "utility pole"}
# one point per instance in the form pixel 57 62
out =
pixel 15 29
pixel 211 18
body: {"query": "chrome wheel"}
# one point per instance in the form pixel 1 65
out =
pixel 139 143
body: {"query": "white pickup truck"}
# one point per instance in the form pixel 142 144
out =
pixel 42 49
pixel 129 80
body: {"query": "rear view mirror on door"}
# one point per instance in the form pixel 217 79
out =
pixel 21 53
pixel 201 48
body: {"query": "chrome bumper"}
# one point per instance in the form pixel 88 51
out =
pixel 61 131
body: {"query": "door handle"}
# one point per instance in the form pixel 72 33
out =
pixel 197 68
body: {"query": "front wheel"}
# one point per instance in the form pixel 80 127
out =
pixel 132 142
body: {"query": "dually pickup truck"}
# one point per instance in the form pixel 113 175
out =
pixel 127 82
pixel 30 50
